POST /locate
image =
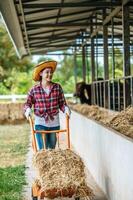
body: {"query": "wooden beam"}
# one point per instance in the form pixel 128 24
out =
pixel 31 26
pixel 61 25
pixel 73 36
pixel 47 38
pixel 70 5
pixel 111 15
pixel 124 2
pixel 71 44
pixel 62 16
pixel 107 20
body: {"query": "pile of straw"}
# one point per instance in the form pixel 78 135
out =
pixel 61 173
pixel 123 122
pixel 93 112
pixel 85 109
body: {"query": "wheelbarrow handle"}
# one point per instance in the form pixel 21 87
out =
pixel 58 131
pixel 32 124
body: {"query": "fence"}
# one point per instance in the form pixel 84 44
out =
pixel 15 98
pixel 120 92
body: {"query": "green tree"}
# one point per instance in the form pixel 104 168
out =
pixel 13 71
pixel 65 73
pixel 118 58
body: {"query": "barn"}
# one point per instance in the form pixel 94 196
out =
pixel 92 29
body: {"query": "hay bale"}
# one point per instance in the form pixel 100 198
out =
pixel 11 113
pixel 61 173
pixel 4 112
pixel 16 111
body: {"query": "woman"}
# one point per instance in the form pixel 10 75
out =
pixel 47 98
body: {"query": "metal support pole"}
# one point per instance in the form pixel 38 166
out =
pixel 106 67
pixel 126 55
pixel 84 64
pixel 92 68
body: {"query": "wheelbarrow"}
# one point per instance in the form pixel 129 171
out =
pixel 37 193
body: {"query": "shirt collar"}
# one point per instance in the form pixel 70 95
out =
pixel 53 84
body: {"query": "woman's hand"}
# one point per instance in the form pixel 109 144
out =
pixel 27 113
pixel 67 111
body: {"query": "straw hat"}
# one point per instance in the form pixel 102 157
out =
pixel 41 66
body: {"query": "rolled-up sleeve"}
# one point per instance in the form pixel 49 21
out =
pixel 29 101
pixel 62 100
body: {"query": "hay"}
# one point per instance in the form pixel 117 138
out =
pixel 11 113
pixel 119 121
pixel 93 112
pixel 4 112
pixel 123 122
pixel 61 173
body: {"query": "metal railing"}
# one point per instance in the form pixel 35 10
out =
pixel 119 93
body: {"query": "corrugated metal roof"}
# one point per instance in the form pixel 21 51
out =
pixel 41 26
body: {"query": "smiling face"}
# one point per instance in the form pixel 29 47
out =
pixel 47 74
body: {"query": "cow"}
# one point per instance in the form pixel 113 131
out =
pixel 83 92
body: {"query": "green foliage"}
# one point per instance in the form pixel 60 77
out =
pixel 132 69
pixel 65 73
pixel 13 71
pixel 11 181
pixel 118 64
pixel 22 82
pixel 70 85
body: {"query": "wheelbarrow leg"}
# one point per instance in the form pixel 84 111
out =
pixel 34 197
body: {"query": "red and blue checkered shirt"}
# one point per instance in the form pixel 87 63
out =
pixel 46 105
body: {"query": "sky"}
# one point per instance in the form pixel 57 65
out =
pixel 52 57
pixel 57 58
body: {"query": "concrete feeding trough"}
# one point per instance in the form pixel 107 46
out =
pixel 107 154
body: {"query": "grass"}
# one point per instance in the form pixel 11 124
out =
pixel 14 140
pixel 11 181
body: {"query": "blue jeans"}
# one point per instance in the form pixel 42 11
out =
pixel 50 138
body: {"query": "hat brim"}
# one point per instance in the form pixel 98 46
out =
pixel 42 66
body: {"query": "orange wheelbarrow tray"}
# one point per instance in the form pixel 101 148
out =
pixel 37 193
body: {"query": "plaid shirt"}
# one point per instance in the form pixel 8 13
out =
pixel 46 105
